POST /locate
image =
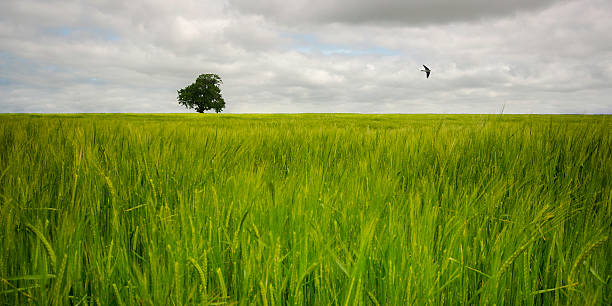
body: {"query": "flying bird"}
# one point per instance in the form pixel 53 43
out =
pixel 426 70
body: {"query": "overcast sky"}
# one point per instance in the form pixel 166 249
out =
pixel 278 56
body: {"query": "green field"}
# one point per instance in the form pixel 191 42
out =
pixel 314 209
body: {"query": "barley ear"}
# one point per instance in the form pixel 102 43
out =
pixel 222 283
pixel 178 286
pixel 46 244
pixel 264 294
pixel 116 291
pixel 514 255
pixel 200 272
pixel 373 299
pixel 585 253
pixel 57 286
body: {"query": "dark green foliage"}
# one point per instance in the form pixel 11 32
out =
pixel 203 95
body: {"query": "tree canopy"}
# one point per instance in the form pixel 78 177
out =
pixel 203 95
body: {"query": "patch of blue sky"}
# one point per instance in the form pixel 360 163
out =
pixel 93 32
pixel 308 43
pixel 357 52
pixel 302 37
pixel 4 56
pixel 16 71
pixel 61 31
pixel 10 62
pixel 303 49
pixel 5 82
pixel 91 81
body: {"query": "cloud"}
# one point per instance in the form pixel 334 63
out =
pixel 407 12
pixel 132 56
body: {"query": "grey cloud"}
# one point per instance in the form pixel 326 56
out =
pixel 411 12
pixel 132 56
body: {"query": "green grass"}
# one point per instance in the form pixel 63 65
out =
pixel 316 209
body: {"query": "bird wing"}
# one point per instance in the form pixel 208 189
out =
pixel 427 74
pixel 425 67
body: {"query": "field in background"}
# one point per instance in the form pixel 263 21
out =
pixel 305 209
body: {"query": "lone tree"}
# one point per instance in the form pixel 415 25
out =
pixel 204 94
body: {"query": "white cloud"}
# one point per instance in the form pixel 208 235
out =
pixel 132 56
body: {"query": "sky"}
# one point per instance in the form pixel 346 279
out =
pixel 304 56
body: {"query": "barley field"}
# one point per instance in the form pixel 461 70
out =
pixel 308 209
